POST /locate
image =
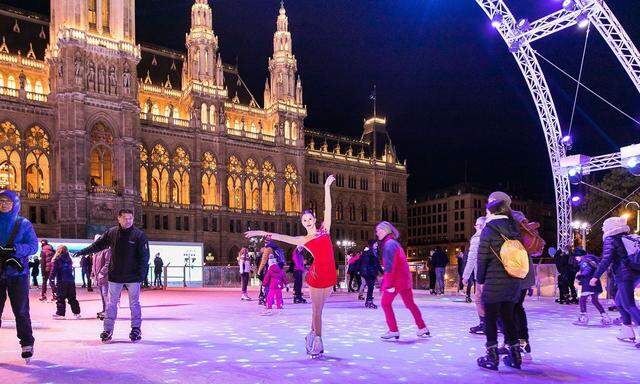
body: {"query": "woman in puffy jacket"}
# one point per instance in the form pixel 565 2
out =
pixel 614 254
pixel 396 281
pixel 500 291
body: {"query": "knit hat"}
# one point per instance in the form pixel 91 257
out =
pixel 498 195
pixel 481 220
pixel 614 226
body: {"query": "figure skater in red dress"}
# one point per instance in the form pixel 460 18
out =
pixel 322 274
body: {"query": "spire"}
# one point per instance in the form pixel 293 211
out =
pixel 202 45
pixel 282 65
pixel 283 20
pixel 299 91
pixel 267 94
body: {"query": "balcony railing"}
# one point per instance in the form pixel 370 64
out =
pixel 101 189
pixel 37 196
pixel 37 96
pixel 8 92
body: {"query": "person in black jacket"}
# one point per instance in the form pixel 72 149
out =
pixel 500 291
pixel 439 262
pixel 128 267
pixel 35 270
pixel 369 269
pixel 62 273
pixel 614 254
pixel 588 265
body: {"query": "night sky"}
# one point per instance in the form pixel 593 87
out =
pixel 452 94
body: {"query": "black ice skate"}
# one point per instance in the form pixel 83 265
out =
pixel 299 300
pixel 478 329
pixel 27 353
pixel 370 304
pixel 360 296
pixel 135 335
pixel 468 299
pixel 514 358
pixel 106 336
pixel 490 360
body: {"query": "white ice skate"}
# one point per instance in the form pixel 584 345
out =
pixel 317 349
pixel 308 340
pixel 245 297
pixel 55 316
pixel 525 351
pixel 390 335
pixel 627 333
pixel 605 320
pixel 27 353
pixel 423 332
pixel 583 320
pixel 266 312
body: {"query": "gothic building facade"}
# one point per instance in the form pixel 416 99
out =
pixel 92 121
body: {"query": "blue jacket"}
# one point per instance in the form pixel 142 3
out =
pixel 26 241
pixel 62 268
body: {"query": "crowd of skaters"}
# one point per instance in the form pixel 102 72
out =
pixel 120 259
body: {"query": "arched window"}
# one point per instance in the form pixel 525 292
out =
pixel 313 206
pixel 176 112
pixel 364 213
pixel 251 191
pixel 180 182
pixel 155 110
pixel 253 127
pixel 294 131
pixel 204 115
pixel 385 213
pixel 106 14
pixel 159 174
pixel 167 111
pixel 1 80
pixel 101 157
pixel 37 160
pixel 268 187
pixel 291 194
pixel 394 214
pixel 352 212
pixel 93 17
pixel 144 174
pixel 234 183
pixel 209 180
pixel 212 117
pixel 10 171
pixel 236 125
pixel 339 211
pixel 101 166
pixel 27 85
pixel 11 82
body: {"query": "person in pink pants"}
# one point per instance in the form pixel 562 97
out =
pixel 396 281
pixel 276 279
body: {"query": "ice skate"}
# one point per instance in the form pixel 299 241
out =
pixel 245 297
pixel 390 335
pixel 106 336
pixel 423 332
pixel 513 359
pixel 100 315
pixel 308 340
pixel 77 316
pixel 135 335
pixel 605 320
pixel 626 334
pixel 360 296
pixel 55 316
pixel 468 299
pixel 266 312
pixel 27 353
pixel 317 349
pixel 525 351
pixel 490 360
pixel 478 329
pixel 370 304
pixel 43 298
pixel 583 320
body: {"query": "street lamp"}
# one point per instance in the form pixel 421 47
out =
pixel 582 227
pixel 346 244
pixel 637 208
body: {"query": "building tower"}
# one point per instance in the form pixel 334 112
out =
pixel 92 60
pixel 203 63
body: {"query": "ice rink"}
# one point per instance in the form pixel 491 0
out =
pixel 210 336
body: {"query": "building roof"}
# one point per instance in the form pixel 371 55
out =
pixel 345 142
pixel 24 32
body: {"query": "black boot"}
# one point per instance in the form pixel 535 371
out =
pixel 478 329
pixel 490 360
pixel 514 357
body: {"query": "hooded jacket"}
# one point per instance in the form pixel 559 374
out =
pixel 26 241
pixel 396 269
pixel 46 258
pixel 62 268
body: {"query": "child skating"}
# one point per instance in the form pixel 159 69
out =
pixel 588 265
pixel 276 280
pixel 62 274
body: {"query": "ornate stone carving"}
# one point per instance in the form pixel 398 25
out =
pixel 91 76
pixel 126 80
pixel 113 81
pixel 102 79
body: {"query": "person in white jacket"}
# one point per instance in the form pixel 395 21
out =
pixel 470 269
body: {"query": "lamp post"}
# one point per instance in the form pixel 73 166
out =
pixel 637 208
pixel 346 244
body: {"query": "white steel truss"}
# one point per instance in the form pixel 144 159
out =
pixel 519 42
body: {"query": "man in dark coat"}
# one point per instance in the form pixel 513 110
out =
pixel 439 262
pixel 128 267
pixel 35 270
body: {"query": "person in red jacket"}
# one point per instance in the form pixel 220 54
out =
pixel 396 281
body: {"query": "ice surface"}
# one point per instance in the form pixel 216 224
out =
pixel 208 336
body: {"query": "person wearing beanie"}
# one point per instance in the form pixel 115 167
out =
pixel 587 265
pixel 614 254
pixel 18 241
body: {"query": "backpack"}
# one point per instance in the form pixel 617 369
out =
pixel 531 239
pixel 513 256
pixel 632 247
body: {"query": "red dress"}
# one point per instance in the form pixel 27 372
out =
pixel 322 273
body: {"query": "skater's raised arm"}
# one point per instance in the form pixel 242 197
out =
pixel 293 240
pixel 327 203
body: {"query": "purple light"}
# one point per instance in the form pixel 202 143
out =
pixel 567 141
pixel 633 165
pixel 496 20
pixel 576 200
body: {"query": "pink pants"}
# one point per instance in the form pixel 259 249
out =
pixel 274 293
pixel 407 298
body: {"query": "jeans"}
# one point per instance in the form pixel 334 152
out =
pixel 45 282
pixel 67 291
pixel 520 317
pixel 245 281
pixel 297 283
pixel 112 305
pixel 88 278
pixel 594 300
pixel 34 279
pixel 157 278
pixel 104 295
pixel 17 288
pixel 440 280
pixel 371 282
pixel 407 298
pixel 470 283
pixel 626 302
pixel 503 310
